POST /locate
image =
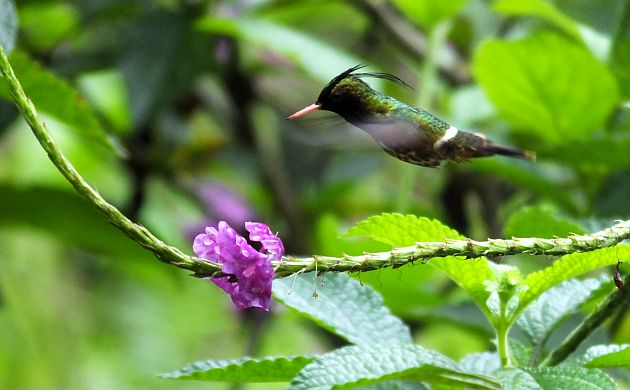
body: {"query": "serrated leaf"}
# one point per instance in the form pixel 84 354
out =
pixel 243 370
pixel 403 230
pixel 343 306
pixel 539 221
pixel 315 56
pixel 483 363
pixel 8 25
pixel 517 379
pixel 362 365
pixel 53 96
pixel 532 82
pixel 548 378
pixel 568 267
pixel 606 356
pixel 542 9
pixel 571 378
pixel 553 306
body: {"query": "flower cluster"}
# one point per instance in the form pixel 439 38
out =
pixel 249 272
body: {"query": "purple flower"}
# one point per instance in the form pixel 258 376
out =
pixel 250 272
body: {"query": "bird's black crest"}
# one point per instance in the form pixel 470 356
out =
pixel 379 75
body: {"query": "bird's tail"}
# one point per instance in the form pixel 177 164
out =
pixel 492 149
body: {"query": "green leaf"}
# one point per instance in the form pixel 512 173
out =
pixel 517 379
pixel 315 56
pixel 521 354
pixel 483 363
pixel 568 267
pixel 342 305
pixel 243 370
pixel 532 82
pixel 362 365
pixel 403 230
pixel 405 290
pixel 53 96
pixel 8 25
pixel 428 13
pixel 553 306
pixel 571 378
pixel 542 9
pixel 556 378
pixel 539 221
pixel 606 356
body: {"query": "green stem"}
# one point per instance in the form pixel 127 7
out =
pixel 421 251
pixel 502 344
pixel 606 309
pixel 470 249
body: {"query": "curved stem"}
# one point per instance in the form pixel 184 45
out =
pixel 421 251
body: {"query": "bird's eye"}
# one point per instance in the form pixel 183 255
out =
pixel 336 96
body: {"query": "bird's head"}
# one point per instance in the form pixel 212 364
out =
pixel 349 96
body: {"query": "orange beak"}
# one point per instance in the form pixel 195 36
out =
pixel 306 110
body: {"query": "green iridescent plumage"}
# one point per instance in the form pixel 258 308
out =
pixel 408 133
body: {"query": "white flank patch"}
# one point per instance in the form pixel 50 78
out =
pixel 451 132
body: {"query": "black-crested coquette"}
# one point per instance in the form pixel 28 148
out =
pixel 408 133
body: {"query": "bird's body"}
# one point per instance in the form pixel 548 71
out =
pixel 408 133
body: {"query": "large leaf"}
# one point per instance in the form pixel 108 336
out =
pixel 547 85
pixel 53 96
pixel 606 356
pixel 8 25
pixel 539 221
pixel 243 370
pixel 554 305
pixel 542 9
pixel 548 378
pixel 402 230
pixel 568 267
pixel 359 365
pixel 317 57
pixel 343 306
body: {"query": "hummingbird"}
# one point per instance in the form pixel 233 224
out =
pixel 408 133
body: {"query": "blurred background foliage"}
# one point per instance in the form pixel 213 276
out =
pixel 174 111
